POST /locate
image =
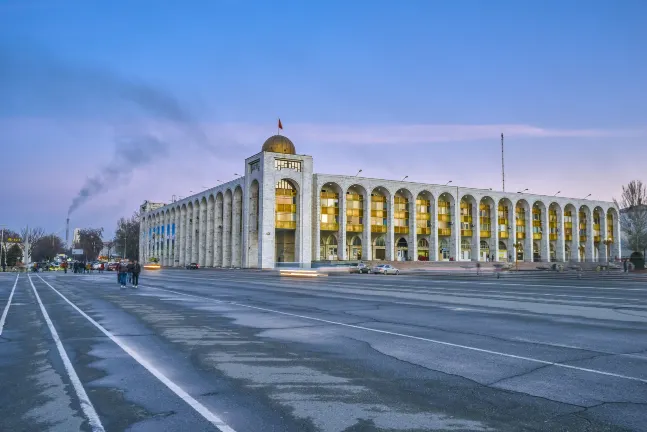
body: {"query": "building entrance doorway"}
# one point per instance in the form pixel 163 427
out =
pixel 466 250
pixel 402 249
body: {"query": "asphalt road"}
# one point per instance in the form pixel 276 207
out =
pixel 250 351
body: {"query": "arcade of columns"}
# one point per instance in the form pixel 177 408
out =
pixel 371 216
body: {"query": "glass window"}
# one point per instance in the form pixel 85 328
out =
pixel 280 164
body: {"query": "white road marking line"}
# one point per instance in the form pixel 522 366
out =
pixel 467 347
pixel 181 393
pixel 448 281
pixel 84 400
pixel 6 308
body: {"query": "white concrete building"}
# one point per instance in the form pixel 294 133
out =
pixel 280 211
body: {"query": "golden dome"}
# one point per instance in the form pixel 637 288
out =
pixel 279 144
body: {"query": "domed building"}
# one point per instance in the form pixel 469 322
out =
pixel 281 213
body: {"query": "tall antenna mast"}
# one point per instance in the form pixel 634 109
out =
pixel 502 164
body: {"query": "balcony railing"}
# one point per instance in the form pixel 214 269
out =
pixel 401 230
pixel 330 226
pixel 485 234
pixel 521 235
pixel 286 208
pixel 536 223
pixel 423 216
pixel 582 238
pixel 503 221
pixel 423 230
pixel 354 228
pixel 466 218
pixel 553 237
pixel 568 237
pixel 444 218
pixel 466 232
pixel 596 239
pixel 378 228
pixel 444 231
pixel 330 210
pixel 328 195
pixel 536 236
pixel 503 235
pixel 355 212
pixel 286 224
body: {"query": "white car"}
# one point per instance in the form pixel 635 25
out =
pixel 385 269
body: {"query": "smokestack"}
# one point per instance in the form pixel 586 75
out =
pixel 67 232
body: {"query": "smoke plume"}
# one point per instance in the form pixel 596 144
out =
pixel 29 78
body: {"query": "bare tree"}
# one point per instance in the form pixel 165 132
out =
pixel 127 237
pixel 31 235
pixel 633 215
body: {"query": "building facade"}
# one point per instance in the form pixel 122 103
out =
pixel 282 213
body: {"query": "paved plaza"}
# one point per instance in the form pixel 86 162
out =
pixel 238 350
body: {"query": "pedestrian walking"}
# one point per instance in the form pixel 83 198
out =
pixel 137 269
pixel 130 271
pixel 478 268
pixel 64 265
pixel 101 268
pixel 625 264
pixel 121 275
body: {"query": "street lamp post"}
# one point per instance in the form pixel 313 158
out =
pixel 358 172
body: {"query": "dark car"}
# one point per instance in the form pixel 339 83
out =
pixel 192 266
pixel 359 268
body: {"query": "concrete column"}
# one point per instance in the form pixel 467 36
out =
pixel 162 239
pixel 390 241
pixel 588 246
pixel 156 244
pixel 316 225
pixel 226 244
pixel 512 232
pixel 210 235
pixel 475 226
pixel 433 237
pixel 173 241
pixel 236 234
pixel 528 255
pixel 171 218
pixel 603 238
pixel 617 240
pixel 494 231
pixel 180 229
pixel 367 245
pixel 218 230
pixel 412 238
pixel 575 243
pixel 142 232
pixel 195 231
pixel 179 236
pixel 202 235
pixel 544 243
pixel 188 233
pixel 560 244
pixel 455 237
pixel 342 246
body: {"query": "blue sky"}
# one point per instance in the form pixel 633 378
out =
pixel 418 88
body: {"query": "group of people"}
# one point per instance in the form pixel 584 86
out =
pixel 81 267
pixel 128 272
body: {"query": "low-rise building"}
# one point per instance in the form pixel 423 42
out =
pixel 280 211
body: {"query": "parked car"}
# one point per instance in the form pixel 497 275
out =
pixel 192 266
pixel 359 268
pixel 385 269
